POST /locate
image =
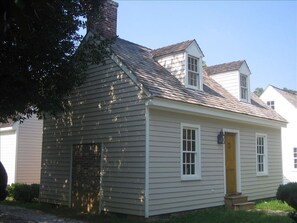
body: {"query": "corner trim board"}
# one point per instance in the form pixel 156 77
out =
pixel 147 153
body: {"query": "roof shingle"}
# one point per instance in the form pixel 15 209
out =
pixel 161 83
pixel 292 98
pixel 225 67
pixel 174 48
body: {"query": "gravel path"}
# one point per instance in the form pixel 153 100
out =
pixel 9 214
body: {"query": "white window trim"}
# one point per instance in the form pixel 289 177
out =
pixel 294 158
pixel 199 68
pixel 197 175
pixel 265 172
pixel 247 88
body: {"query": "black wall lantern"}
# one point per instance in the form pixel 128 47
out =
pixel 221 137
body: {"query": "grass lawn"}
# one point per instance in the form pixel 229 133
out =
pixel 212 215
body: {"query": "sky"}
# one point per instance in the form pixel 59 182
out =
pixel 264 33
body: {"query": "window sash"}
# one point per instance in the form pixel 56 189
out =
pixel 261 155
pixel 193 74
pixel 190 169
pixel 243 87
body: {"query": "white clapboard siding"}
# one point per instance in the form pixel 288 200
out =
pixel 8 153
pixel 230 81
pixel 107 108
pixel 175 64
pixel 29 151
pixel 168 193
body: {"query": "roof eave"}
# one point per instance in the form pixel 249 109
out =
pixel 192 109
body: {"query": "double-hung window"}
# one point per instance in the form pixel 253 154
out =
pixel 271 104
pixel 193 72
pixel 190 152
pixel 243 87
pixel 295 157
pixel 261 144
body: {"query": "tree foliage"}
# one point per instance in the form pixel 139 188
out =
pixel 288 193
pixel 41 61
pixel 258 91
pixel 290 90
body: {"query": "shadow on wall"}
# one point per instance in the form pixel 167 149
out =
pixel 108 108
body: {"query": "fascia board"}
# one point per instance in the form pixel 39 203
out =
pixel 186 108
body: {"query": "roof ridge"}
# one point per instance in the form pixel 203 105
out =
pixel 226 63
pixel 172 48
pixel 283 90
pixel 190 40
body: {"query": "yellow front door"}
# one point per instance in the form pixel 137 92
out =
pixel 230 160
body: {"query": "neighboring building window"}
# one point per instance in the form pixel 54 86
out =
pixel 190 152
pixel 243 87
pixel 193 75
pixel 261 154
pixel 295 158
pixel 270 104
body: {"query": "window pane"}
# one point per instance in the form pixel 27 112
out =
pixel 189 146
pixel 188 134
pixel 192 169
pixel 188 169
pixel 193 157
pixel 184 134
pixel 188 157
pixel 184 145
pixel 193 146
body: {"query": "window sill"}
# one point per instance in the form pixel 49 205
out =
pixel 190 178
pixel 192 87
pixel 262 174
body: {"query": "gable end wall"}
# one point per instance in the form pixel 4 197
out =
pixel 108 108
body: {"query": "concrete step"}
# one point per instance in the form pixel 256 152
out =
pixel 244 206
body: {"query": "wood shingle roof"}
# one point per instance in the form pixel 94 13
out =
pixel 161 83
pixel 292 98
pixel 225 67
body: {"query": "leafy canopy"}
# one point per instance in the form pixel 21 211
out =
pixel 40 58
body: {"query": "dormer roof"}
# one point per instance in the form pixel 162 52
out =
pixel 160 83
pixel 225 67
pixel 174 48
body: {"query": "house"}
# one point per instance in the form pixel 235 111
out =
pixel 20 150
pixel 285 104
pixel 145 134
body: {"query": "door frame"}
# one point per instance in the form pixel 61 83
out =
pixel 237 150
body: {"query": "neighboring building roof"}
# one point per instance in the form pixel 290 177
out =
pixel 292 98
pixel 161 83
pixel 225 67
pixel 8 124
pixel 174 48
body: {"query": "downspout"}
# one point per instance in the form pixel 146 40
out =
pixel 146 192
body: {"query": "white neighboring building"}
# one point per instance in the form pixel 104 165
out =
pixel 286 105
pixel 20 150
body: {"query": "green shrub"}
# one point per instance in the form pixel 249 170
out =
pixel 288 193
pixel 23 192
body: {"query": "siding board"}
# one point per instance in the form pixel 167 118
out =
pixel 168 193
pixel 107 108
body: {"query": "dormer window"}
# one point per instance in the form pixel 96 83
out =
pixel 193 72
pixel 243 87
